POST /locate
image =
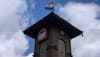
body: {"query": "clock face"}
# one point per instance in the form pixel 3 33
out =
pixel 42 34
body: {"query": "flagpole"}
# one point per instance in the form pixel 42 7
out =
pixel 53 8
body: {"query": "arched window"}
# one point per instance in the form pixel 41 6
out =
pixel 61 48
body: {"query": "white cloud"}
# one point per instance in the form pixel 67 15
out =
pixel 12 41
pixel 15 46
pixel 30 55
pixel 8 17
pixel 83 16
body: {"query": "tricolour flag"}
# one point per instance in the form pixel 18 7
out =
pixel 50 6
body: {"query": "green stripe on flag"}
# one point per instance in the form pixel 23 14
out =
pixel 48 8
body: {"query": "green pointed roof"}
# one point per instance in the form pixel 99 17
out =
pixel 53 20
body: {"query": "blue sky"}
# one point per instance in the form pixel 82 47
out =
pixel 39 12
pixel 17 15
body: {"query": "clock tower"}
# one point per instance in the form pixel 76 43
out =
pixel 52 36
